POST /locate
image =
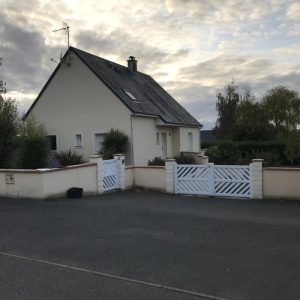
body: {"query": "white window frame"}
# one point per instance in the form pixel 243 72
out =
pixel 95 146
pixel 157 138
pixel 53 134
pixel 190 141
pixel 76 144
pixel 94 132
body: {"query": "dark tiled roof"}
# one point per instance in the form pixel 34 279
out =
pixel 152 98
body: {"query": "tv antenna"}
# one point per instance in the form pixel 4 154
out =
pixel 66 29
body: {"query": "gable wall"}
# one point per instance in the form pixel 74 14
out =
pixel 76 101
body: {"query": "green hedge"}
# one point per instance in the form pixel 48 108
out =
pixel 274 152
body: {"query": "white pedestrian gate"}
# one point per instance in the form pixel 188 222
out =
pixel 110 174
pixel 213 180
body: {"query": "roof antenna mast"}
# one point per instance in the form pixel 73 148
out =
pixel 66 29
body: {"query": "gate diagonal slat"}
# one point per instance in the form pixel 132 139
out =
pixel 188 172
pixel 239 173
pixel 110 174
pixel 219 180
pixel 224 173
pixel 197 186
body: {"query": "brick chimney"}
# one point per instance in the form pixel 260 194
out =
pixel 132 64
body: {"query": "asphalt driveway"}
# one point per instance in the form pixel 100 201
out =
pixel 138 245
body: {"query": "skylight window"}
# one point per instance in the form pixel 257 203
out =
pixel 131 96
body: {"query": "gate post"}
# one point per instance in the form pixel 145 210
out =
pixel 257 181
pixel 99 173
pixel 121 170
pixel 211 180
pixel 169 175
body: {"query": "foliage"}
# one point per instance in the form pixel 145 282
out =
pixel 273 152
pixel 241 118
pixel 10 123
pixel 251 123
pixel 156 161
pixel 33 145
pixel 114 141
pixel 185 159
pixel 293 147
pixel 282 109
pixel 226 107
pixel 69 157
pixel 226 152
pixel 214 154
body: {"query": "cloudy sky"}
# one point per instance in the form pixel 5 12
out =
pixel 191 47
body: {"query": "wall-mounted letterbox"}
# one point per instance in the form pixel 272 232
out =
pixel 9 178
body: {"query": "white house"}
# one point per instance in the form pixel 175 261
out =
pixel 87 95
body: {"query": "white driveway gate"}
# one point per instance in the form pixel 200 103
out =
pixel 211 180
pixel 110 174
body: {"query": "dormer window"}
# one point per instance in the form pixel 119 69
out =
pixel 131 96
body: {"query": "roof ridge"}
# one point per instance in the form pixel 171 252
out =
pixel 124 66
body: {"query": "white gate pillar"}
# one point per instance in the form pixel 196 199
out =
pixel 169 175
pixel 99 173
pixel 257 181
pixel 121 170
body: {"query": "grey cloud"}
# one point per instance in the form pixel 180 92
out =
pixel 27 64
pixel 225 66
pixel 123 45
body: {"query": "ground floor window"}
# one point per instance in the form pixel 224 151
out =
pixel 98 138
pixel 52 139
pixel 190 141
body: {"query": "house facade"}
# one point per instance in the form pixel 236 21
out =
pixel 87 95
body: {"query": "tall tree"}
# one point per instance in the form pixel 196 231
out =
pixel 282 109
pixel 251 121
pixel 226 107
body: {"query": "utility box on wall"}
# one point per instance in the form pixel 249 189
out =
pixel 9 178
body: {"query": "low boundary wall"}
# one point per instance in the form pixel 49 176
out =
pixel 48 183
pixel 268 183
pixel 281 183
pixel 150 177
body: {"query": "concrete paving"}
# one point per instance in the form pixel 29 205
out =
pixel 96 247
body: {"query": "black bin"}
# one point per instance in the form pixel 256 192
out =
pixel 74 192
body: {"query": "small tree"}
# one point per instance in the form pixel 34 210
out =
pixel 114 141
pixel 33 145
pixel 10 123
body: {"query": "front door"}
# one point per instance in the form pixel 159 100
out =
pixel 163 145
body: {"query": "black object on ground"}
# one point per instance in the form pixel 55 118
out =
pixel 74 192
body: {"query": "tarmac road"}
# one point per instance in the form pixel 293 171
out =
pixel 131 245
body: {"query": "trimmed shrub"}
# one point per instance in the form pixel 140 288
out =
pixel 243 152
pixel 186 159
pixel 156 161
pixel 69 157
pixel 33 146
pixel 114 141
